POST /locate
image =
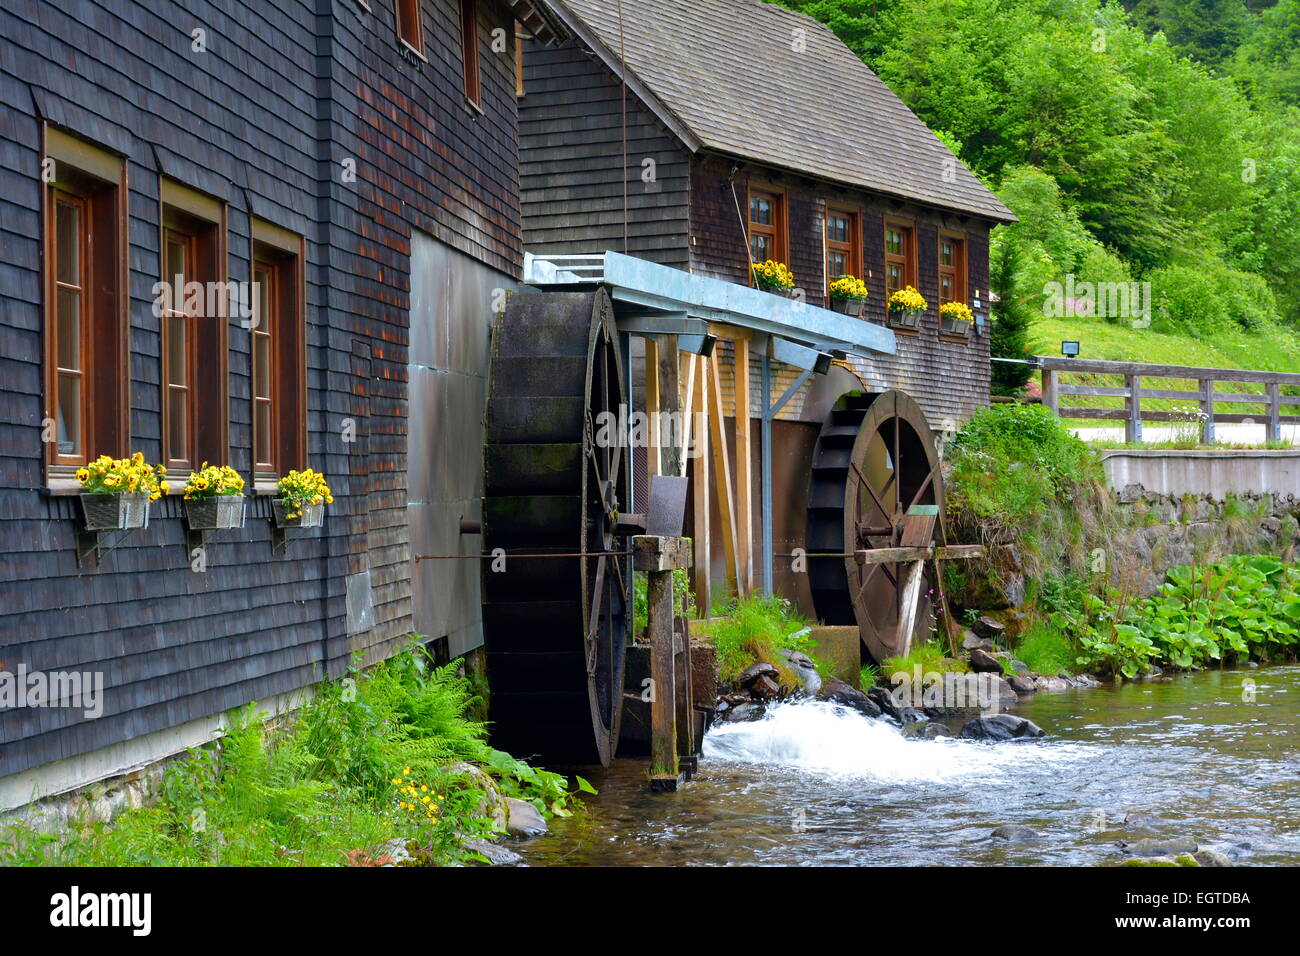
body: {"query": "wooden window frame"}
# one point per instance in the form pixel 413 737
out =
pixel 959 271
pixel 200 222
pixel 776 230
pixel 410 25
pixel 852 250
pixel 283 254
pixel 472 73
pixel 95 182
pixel 908 262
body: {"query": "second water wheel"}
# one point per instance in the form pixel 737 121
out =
pixel 875 469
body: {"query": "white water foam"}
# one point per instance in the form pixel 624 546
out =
pixel 827 739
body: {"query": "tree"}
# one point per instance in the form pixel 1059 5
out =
pixel 1012 315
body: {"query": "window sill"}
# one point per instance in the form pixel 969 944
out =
pixel 955 337
pixel 406 49
pixel 905 330
pixel 474 109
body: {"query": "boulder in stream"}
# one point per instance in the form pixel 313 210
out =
pixel 1160 846
pixel 981 662
pixel 1001 727
pixel 1015 833
pixel 523 820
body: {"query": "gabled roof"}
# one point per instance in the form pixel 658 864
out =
pixel 766 84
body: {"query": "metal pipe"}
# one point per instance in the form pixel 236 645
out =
pixel 765 437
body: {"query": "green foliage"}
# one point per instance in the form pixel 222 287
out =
pixel 1045 650
pixel 1243 608
pixel 930 656
pixel 755 629
pixel 1011 315
pixel 330 781
pixel 683 597
pixel 1211 298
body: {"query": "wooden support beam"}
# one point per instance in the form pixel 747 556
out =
pixel 1133 426
pixel 1207 409
pixel 892 555
pixel 658 557
pixel 959 552
pixel 654 463
pixel 698 372
pixel 911 588
pixel 744 473
pixel 722 474
pixel 670 402
pixel 1274 411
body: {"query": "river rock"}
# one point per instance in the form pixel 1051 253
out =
pixel 971 641
pixel 989 628
pixel 523 821
pixel 1022 685
pixel 1001 727
pixel 1051 683
pixel 1208 857
pixel 885 701
pixel 494 854
pixel 1085 680
pixel 764 687
pixel 743 713
pixel 1160 846
pixel 1015 833
pixel 838 692
pixel 982 663
pixel 1144 821
pixel 494 805
pixel 755 671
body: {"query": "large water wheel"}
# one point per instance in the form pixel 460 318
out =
pixel 557 620
pixel 874 464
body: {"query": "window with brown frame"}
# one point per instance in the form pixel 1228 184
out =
pixel 843 249
pixel 952 276
pixel 766 226
pixel 469 49
pixel 900 266
pixel 409 27
pixel 193 312
pixel 278 362
pixel 86 381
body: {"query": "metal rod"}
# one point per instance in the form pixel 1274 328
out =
pixel 507 554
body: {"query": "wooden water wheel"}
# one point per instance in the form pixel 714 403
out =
pixel 875 516
pixel 556 628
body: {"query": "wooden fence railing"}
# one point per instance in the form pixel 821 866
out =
pixel 1134 390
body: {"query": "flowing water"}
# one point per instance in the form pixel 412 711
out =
pixel 813 784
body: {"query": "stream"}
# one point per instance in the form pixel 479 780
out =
pixel 816 785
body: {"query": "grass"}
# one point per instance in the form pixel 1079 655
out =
pixel 756 629
pixel 1106 341
pixel 1045 650
pixel 378 756
pixel 931 657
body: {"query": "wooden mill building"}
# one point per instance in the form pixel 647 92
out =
pixel 355 159
pixel 705 136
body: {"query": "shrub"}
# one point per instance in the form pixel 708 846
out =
pixel 757 629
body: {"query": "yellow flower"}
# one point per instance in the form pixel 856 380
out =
pixel 83 475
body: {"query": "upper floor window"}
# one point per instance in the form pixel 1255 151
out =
pixel 469 49
pixel 952 277
pixel 408 24
pixel 86 380
pixel 279 360
pixel 193 308
pixel 766 226
pixel 900 257
pixel 843 255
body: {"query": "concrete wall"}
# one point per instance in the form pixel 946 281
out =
pixel 1215 473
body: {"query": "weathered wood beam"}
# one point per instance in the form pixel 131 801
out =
pixel 654 461
pixel 722 473
pixel 744 473
pixel 702 577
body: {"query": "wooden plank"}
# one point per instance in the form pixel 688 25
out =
pixel 689 407
pixel 892 555
pixel 1274 412
pixel 1207 409
pixel 670 403
pixel 654 460
pixel 663 708
pixel 744 472
pixel 722 473
pixel 911 588
pixel 701 578
pixel 1148 370
pixel 1133 426
pixel 1051 393
pixel 959 552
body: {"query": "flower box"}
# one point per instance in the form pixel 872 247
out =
pixel 115 512
pixel 951 326
pixel 850 307
pixel 313 516
pixel 220 513
pixel 905 318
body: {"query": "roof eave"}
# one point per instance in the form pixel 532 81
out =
pixel 540 20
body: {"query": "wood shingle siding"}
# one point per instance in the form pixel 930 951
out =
pixel 288 98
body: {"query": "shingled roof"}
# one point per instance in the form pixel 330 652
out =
pixel 763 83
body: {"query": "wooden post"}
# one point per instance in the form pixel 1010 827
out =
pixel 1050 398
pixel 658 557
pixel 702 582
pixel 1133 426
pixel 670 404
pixel 722 472
pixel 1207 408
pixel 1274 411
pixel 744 476
pixel 654 463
